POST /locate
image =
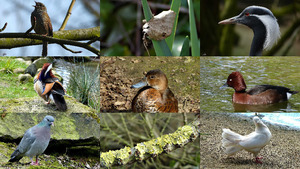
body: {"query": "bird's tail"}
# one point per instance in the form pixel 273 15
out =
pixel 16 156
pixel 59 101
pixel 230 141
pixel 45 48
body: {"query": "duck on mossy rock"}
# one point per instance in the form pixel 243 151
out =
pixel 49 87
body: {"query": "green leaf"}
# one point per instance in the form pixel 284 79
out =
pixel 147 12
pixel 161 48
pixel 185 50
pixel 193 34
pixel 175 6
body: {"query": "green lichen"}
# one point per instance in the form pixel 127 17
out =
pixel 108 157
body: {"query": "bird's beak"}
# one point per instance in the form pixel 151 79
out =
pixel 48 69
pixel 140 84
pixel 52 124
pixel 225 85
pixel 229 21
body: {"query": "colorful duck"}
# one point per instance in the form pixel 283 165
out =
pixel 49 88
pixel 155 96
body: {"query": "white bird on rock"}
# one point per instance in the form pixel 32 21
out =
pixel 253 142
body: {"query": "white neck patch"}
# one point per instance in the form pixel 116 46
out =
pixel 272 28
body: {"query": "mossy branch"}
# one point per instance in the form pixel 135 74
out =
pixel 164 144
pixel 65 37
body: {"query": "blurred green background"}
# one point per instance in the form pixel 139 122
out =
pixel 121 26
pixel 228 40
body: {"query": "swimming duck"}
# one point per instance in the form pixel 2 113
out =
pixel 264 25
pixel 49 88
pixel 260 94
pixel 155 96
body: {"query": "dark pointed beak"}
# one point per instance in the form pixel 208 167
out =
pixel 225 85
pixel 232 20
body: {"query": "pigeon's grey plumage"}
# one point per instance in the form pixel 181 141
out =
pixel 35 141
pixel 253 142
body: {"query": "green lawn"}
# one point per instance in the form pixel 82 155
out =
pixel 10 87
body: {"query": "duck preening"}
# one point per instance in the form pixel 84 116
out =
pixel 49 88
pixel 264 25
pixel 260 94
pixel 155 96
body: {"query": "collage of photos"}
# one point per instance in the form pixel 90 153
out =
pixel 100 84
pixel 49 84
pixel 249 90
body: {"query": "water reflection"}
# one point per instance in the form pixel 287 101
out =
pixel 276 107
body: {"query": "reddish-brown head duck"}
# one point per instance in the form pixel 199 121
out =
pixel 49 88
pixel 155 96
pixel 260 94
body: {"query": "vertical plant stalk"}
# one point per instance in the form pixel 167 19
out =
pixel 193 34
pixel 161 48
pixel 67 16
pixel 175 6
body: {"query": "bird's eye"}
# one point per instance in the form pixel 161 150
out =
pixel 247 14
pixel 152 77
pixel 230 80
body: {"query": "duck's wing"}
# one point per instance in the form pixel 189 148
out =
pixel 262 88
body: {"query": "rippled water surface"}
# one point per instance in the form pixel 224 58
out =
pixel 280 71
pixel 64 69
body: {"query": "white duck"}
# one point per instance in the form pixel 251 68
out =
pixel 253 142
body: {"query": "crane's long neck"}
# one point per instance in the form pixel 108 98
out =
pixel 260 34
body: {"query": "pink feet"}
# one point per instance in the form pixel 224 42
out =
pixel 34 163
pixel 257 160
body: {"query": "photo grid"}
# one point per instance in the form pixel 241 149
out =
pixel 100 84
pixel 249 90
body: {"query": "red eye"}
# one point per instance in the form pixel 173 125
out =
pixel 247 14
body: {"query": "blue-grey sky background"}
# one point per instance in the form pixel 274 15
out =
pixel 17 14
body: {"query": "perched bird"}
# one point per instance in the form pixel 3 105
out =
pixel 49 88
pixel 34 142
pixel 260 94
pixel 155 96
pixel 41 23
pixel 253 142
pixel 264 25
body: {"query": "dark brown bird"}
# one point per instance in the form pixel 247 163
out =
pixel 41 23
